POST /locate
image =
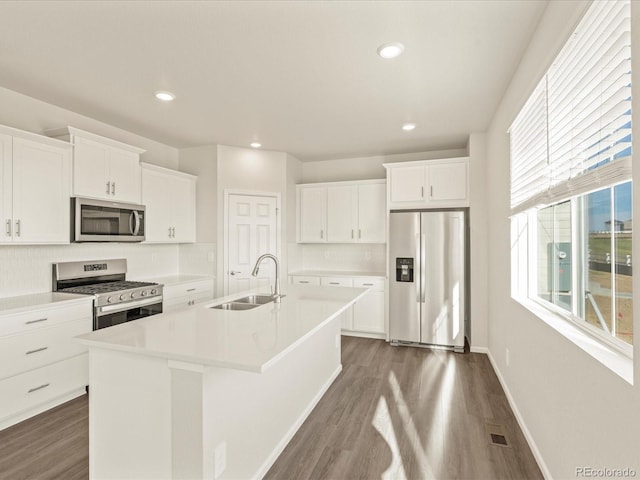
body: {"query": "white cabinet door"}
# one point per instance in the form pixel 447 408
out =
pixel 342 213
pixel 368 313
pixel 407 184
pixel 312 214
pixel 305 280
pixel 124 175
pixel 41 192
pixel 448 182
pixel 157 199
pixel 372 213
pixel 346 318
pixel 183 194
pixel 6 184
pixel 91 169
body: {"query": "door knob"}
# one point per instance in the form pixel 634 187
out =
pixel 234 272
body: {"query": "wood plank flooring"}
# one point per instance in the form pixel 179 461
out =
pixel 393 413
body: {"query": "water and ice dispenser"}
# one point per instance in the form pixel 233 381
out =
pixel 404 269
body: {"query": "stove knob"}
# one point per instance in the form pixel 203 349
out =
pixel 153 291
pixel 133 294
pixel 123 297
pixel 143 293
pixel 109 299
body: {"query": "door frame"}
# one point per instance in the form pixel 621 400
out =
pixel 227 192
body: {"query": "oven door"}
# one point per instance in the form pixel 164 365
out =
pixel 110 315
pixel 102 221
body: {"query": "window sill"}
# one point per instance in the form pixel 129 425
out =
pixel 612 358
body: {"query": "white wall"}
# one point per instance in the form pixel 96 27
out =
pixel 26 113
pixel 478 327
pixel 249 169
pixel 577 411
pixel 27 269
pixel 365 168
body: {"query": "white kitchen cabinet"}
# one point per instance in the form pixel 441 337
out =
pixel 342 212
pixel 185 294
pixel 41 366
pixel 367 316
pixel 428 184
pixel 312 214
pixel 170 200
pixel 35 180
pixel 103 168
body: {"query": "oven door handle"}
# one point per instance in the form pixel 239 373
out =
pixel 134 228
pixel 121 307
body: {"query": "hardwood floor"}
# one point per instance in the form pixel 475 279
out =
pixel 394 412
pixel 401 412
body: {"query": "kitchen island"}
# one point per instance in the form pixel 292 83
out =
pixel 210 393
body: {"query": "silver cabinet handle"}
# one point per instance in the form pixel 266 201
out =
pixel 35 321
pixel 108 187
pixel 334 283
pixel 113 188
pixel 41 349
pixel 321 233
pixel 431 191
pixel 169 232
pixel 35 389
pixel 191 289
pixel 303 281
pixel 359 233
pixel 367 284
pixel 8 228
pixel 352 233
pixel 173 230
pixel 421 192
pixel 17 228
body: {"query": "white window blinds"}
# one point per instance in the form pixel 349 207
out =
pixel 574 133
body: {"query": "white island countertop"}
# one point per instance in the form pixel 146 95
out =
pixel 26 303
pixel 250 340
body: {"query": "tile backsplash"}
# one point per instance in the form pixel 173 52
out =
pixel 348 257
pixel 27 269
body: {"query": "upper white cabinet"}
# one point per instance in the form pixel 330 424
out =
pixel 103 168
pixel 170 200
pixel 428 183
pixel 35 176
pixel 342 212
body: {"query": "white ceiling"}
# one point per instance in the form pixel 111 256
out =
pixel 301 77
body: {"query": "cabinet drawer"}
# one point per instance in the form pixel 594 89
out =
pixel 336 282
pixel 188 289
pixel 44 317
pixel 26 391
pixel 372 283
pixel 21 353
pixel 305 280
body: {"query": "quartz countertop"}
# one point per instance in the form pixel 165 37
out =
pixel 338 273
pixel 244 340
pixel 24 303
pixel 178 279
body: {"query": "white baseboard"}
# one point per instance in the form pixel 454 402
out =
pixel 484 350
pixel 271 459
pixel 350 333
pixel 523 426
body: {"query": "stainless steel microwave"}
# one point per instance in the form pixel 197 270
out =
pixel 105 221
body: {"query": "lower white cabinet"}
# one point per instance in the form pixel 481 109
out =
pixel 366 317
pixel 41 366
pixel 186 294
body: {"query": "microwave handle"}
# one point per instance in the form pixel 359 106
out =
pixel 135 229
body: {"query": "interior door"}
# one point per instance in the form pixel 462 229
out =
pixel 443 275
pixel 251 232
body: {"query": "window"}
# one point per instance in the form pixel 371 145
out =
pixel 571 189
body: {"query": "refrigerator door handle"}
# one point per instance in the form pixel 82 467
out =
pixel 423 273
pixel 418 268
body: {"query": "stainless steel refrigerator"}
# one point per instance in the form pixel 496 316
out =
pixel 427 293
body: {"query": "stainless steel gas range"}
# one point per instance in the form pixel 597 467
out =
pixel 116 300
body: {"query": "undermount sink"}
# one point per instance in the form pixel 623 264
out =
pixel 246 303
pixel 235 306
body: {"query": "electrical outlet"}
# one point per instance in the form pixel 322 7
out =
pixel 506 356
pixel 220 459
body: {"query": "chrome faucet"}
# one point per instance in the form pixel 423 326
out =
pixel 276 291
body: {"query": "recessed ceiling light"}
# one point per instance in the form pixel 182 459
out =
pixel 165 96
pixel 409 126
pixel 390 50
pixel 255 144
